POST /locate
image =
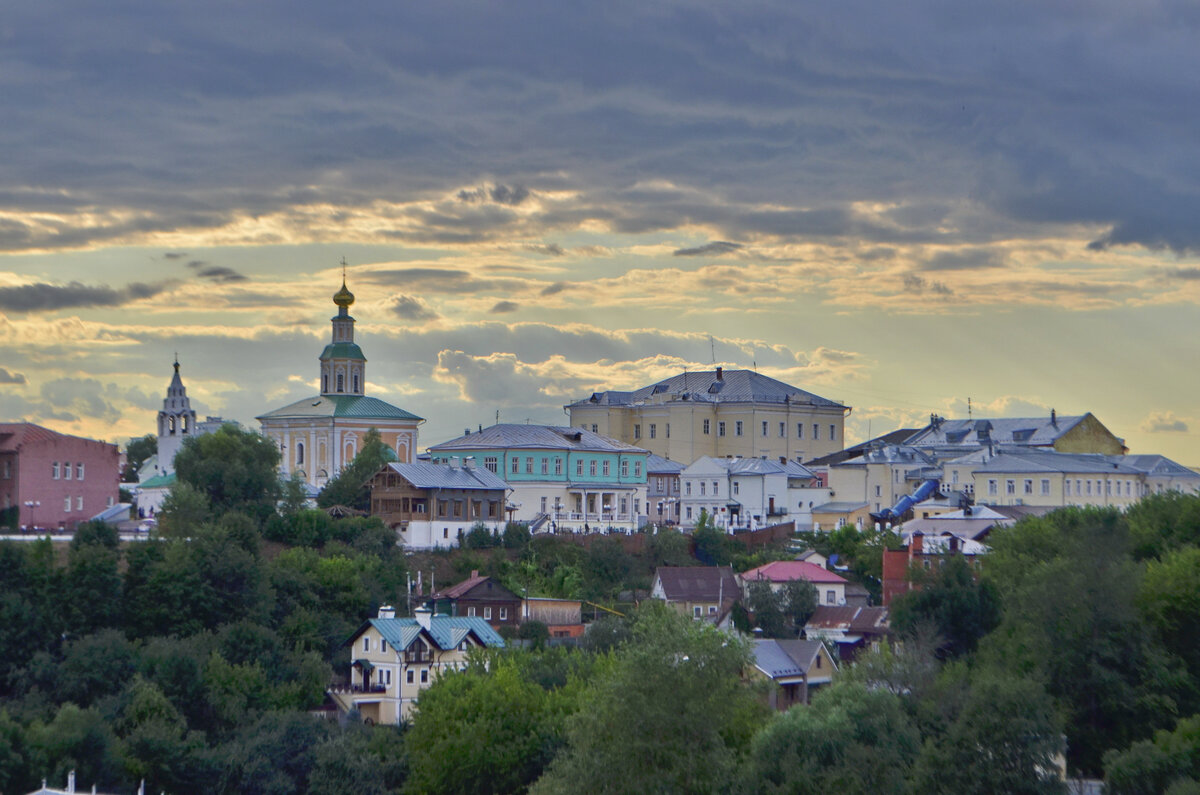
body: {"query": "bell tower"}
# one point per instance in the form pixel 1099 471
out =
pixel 176 422
pixel 343 366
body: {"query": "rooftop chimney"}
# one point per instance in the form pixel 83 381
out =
pixel 424 617
pixel 720 374
pixel 387 611
pixel 1054 418
pixel 455 461
pixel 469 462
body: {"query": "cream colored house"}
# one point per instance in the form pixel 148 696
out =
pixel 394 659
pixel 720 413
pixel 881 475
pixel 319 435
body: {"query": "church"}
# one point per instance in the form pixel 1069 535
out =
pixel 319 435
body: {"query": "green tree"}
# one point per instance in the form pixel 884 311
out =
pixel 605 567
pixel 136 453
pixel 348 762
pixel 482 731
pixel 1163 764
pixel 672 715
pixel 235 469
pixel 949 600
pixel 850 740
pixel 350 487
pixel 1170 600
pixel 1003 742
pixel 781 613
pixel 1159 523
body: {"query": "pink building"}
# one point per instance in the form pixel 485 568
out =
pixel 55 481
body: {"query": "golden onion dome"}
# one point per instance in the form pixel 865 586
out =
pixel 343 297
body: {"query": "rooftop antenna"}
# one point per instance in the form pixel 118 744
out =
pixel 497 416
pixel 712 348
pixel 754 364
pixel 968 408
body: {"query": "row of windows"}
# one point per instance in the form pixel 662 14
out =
pixel 716 488
pixel 1082 487
pixel 603 467
pixel 739 429
pixel 487 611
pixel 653 427
pixel 60 471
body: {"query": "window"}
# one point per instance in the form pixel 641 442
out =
pixel 1010 487
pixel 624 468
pixel 516 464
pixel 410 676
pixel 721 428
pixel 703 485
pixel 716 490
pixel 66 470
pixel 816 431
pixel 799 430
pixel 424 675
pixel 833 433
pixel 637 431
pixel 687 488
pixel 299 453
pixel 490 463
pixel 712 610
pixel 1028 486
pixel 689 512
pixel 504 614
pixel 737 428
pixel 782 430
pixel 637 469
pixel 696 611
pixel 545 466
pixel 66 505
pixel 735 488
pixel 470 612
pixel 878 490
pixel 1108 488
pixel 1089 488
pixel 558 466
pixel 386 676
pixel 707 425
pixel 341 381
pixel 992 488
pixel 579 467
pixel 79 503
pixel 668 434
pixel 764 426
pixel 592 468
pixel 366 644
pixel 543 508
pixel 356 382
pixel 383 644
pixel 818 665
pixel 487 614
pixel 54 470
pixel 529 465
pixel 1067 487
pixel 595 428
pixel 831 597
pixel 604 468
pixel 653 430
pixel 1045 487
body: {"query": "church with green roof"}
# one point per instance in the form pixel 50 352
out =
pixel 319 435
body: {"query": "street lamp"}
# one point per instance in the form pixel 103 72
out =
pixel 31 504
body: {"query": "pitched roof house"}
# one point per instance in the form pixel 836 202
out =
pixel 852 628
pixel 394 659
pixel 831 587
pixel 798 667
pixel 479 596
pixel 696 591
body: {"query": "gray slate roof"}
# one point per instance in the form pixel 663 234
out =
pixel 697 583
pixel 777 658
pixel 734 386
pixel 425 475
pixel 1032 431
pixel 657 465
pixel 348 406
pixel 509 436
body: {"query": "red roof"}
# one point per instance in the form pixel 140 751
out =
pixel 788 570
pixel 15 434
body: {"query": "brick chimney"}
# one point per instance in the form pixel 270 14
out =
pixel 720 374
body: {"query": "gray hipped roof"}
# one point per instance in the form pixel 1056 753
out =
pixel 511 436
pixel 714 386
pixel 424 475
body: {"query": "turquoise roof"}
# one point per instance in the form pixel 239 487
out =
pixel 349 406
pixel 158 482
pixel 342 350
pixel 446 631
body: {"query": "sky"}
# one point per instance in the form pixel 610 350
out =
pixel 898 206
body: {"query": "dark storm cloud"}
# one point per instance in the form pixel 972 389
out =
pixel 784 116
pixel 502 307
pixel 715 248
pixel 43 297
pixel 409 308
pixel 11 378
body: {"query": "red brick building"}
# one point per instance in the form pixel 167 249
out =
pixel 53 481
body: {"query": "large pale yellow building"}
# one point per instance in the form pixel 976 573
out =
pixel 720 413
pixel 319 435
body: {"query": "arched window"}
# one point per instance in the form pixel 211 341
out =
pixel 325 382
pixel 355 390
pixel 171 425
pixel 187 424
pixel 299 453
pixel 340 386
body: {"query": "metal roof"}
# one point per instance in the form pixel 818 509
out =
pixel 789 570
pixel 777 658
pixel 714 386
pixel 657 465
pixel 508 436
pixel 446 631
pixel 425 475
pixel 697 583
pixel 1033 431
pixel 342 350
pixel 342 406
